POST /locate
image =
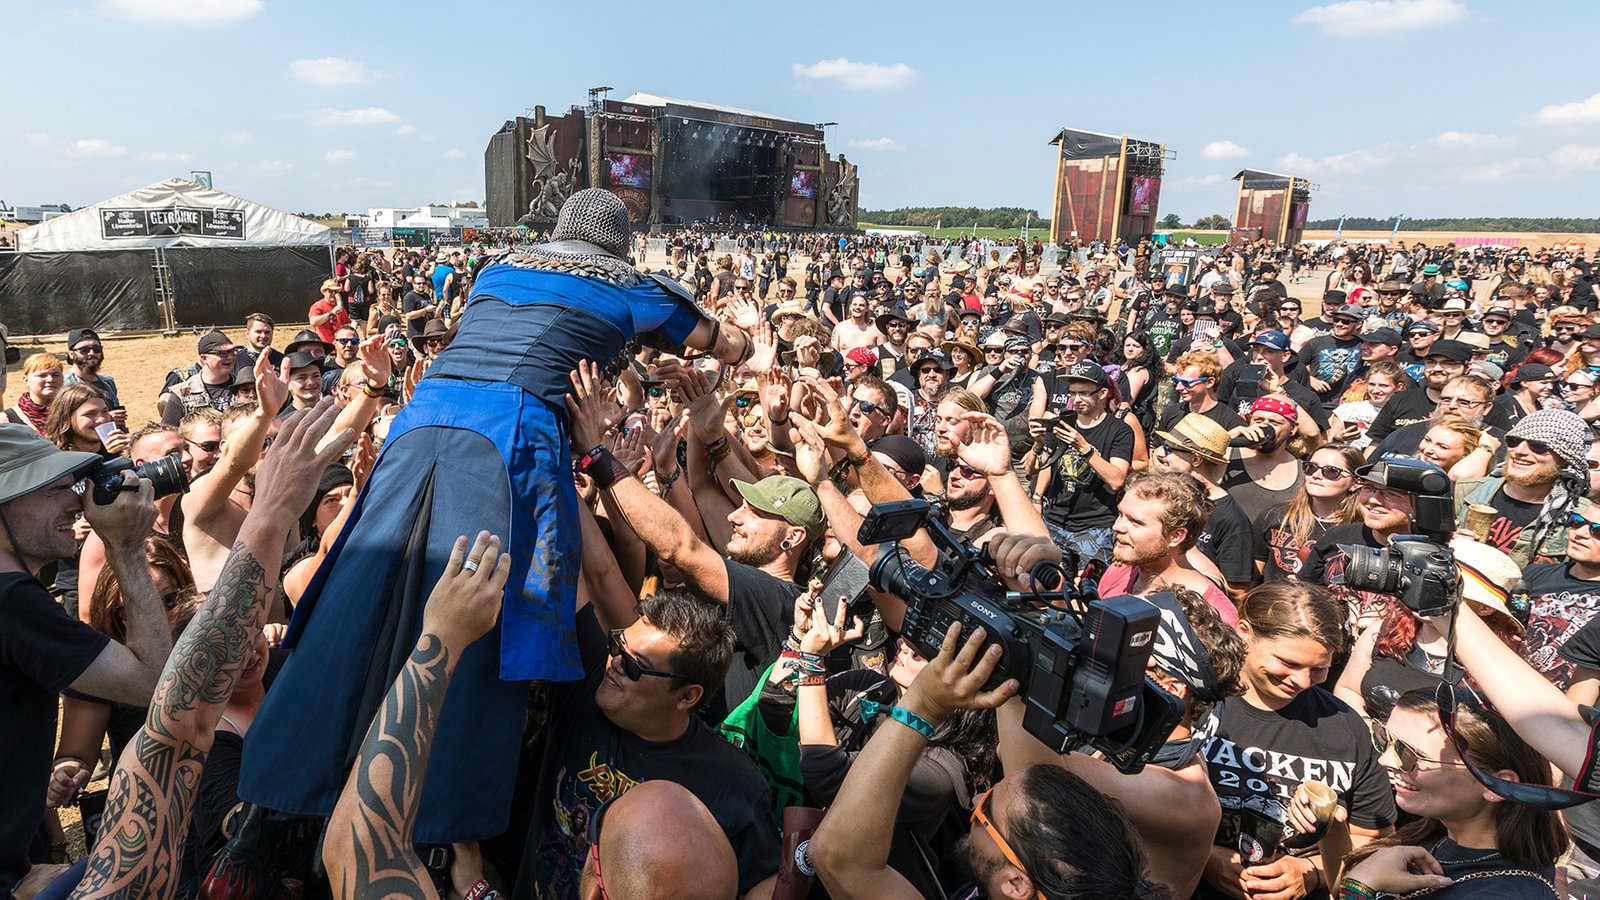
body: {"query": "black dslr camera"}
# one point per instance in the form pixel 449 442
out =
pixel 1419 568
pixel 1080 659
pixel 166 475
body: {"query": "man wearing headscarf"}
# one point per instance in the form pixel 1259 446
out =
pixel 1545 472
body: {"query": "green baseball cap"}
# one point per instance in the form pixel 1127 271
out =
pixel 787 498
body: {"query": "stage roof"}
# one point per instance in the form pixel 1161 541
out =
pixel 726 115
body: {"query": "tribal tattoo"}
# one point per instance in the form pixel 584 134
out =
pixel 369 851
pixel 153 788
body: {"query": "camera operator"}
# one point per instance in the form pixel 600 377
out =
pixel 1082 487
pixel 1040 832
pixel 1197 658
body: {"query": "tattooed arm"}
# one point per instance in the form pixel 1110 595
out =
pixel 153 788
pixel 368 848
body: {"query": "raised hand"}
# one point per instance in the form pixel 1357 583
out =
pixel 743 313
pixel 289 474
pixel 629 449
pixel 272 387
pixel 664 444
pixel 466 600
pixel 361 462
pixel 765 353
pixel 823 637
pixel 375 361
pixel 954 679
pixel 583 407
pixel 985 446
pixel 413 376
pixel 826 417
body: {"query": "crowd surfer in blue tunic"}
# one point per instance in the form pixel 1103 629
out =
pixel 482 444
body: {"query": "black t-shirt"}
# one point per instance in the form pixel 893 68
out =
pixel 1404 408
pixel 1470 869
pixel 1077 497
pixel 1220 413
pixel 588 760
pixel 1226 542
pixel 761 611
pixel 410 303
pixel 1511 516
pixel 1333 361
pixel 1259 757
pixel 1276 548
pixel 1325 561
pixel 1559 606
pixel 42 650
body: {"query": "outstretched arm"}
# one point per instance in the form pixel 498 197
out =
pixel 368 849
pixel 153 788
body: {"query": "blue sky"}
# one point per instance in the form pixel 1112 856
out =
pixel 1421 107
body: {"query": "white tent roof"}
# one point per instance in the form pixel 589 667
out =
pixel 173 213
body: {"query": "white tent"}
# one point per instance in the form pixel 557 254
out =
pixel 173 213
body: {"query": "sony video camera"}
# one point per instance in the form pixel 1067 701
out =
pixel 1080 660
pixel 1418 568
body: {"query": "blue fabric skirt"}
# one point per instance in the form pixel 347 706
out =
pixel 461 457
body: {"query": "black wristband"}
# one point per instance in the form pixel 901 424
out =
pixel 605 469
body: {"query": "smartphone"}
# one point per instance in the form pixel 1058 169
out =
pixel 846 584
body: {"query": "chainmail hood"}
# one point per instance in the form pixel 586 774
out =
pixel 597 216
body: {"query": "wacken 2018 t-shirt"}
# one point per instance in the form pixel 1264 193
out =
pixel 1559 605
pixel 1259 757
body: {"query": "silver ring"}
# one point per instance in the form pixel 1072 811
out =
pixel 469 566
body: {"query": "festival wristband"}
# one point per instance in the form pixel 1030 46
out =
pixel 1351 889
pixel 911 720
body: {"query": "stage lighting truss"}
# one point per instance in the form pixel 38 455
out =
pixel 1147 159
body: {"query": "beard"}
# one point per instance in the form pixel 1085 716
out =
pixel 1545 471
pixel 967 499
pixel 757 555
pixel 89 364
pixel 1275 441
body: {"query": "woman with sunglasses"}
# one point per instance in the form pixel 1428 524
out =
pixel 1561 329
pixel 966 357
pixel 1578 392
pixel 1328 498
pixel 1485 845
pixel 87 721
pixel 1143 369
pixel 1283 731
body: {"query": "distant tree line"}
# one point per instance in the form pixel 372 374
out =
pixel 1365 223
pixel 955 217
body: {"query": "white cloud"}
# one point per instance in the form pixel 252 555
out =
pixel 274 167
pixel 1223 150
pixel 1466 139
pixel 1366 18
pixel 158 158
pixel 858 76
pixel 453 153
pixel 1576 156
pixel 405 131
pixel 93 148
pixel 1214 178
pixel 1491 172
pixel 181 12
pixel 335 156
pixel 875 144
pixel 371 115
pixel 330 71
pixel 1337 164
pixel 234 137
pixel 1582 112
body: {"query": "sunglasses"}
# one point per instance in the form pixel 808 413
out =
pixel 744 400
pixel 980 818
pixel 1406 755
pixel 1176 448
pixel 631 666
pixel 1538 448
pixel 658 392
pixel 994 351
pixel 1328 473
pixel 350 340
pixel 1075 347
pixel 867 407
pixel 1576 520
pixel 89 348
pixel 966 472
pixel 205 446
pixel 1189 382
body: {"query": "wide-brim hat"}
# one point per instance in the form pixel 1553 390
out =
pixel 307 336
pixel 965 344
pixel 1487 577
pixel 825 360
pixel 28 462
pixel 960 268
pixel 893 315
pixel 1199 435
pixel 790 308
pixel 435 328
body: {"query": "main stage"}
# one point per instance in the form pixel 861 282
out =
pixel 672 162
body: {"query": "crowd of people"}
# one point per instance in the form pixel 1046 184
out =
pixel 734 722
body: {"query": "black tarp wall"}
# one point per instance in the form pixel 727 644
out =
pixel 44 293
pixel 114 290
